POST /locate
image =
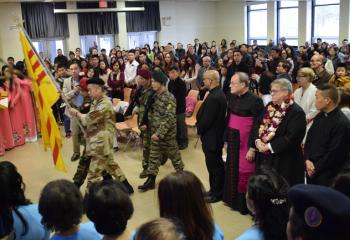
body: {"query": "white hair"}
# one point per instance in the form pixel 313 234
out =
pixel 284 84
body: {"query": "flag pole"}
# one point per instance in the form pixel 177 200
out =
pixel 64 98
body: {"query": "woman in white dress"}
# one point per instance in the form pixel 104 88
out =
pixel 305 97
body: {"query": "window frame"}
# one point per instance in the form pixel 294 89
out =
pixel 279 21
pixel 249 39
pixel 46 46
pixel 313 8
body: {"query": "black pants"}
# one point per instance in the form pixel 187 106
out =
pixel 215 166
pixel 181 130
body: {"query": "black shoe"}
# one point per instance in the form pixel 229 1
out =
pixel 182 147
pixel 128 187
pixel 149 184
pixel 163 161
pixel 115 149
pixel 143 174
pixel 77 184
pixel 212 199
pixel 75 157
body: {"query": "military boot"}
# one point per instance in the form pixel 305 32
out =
pixel 144 173
pixel 149 184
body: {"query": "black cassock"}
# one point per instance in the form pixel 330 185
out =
pixel 327 146
pixel 245 106
pixel 287 158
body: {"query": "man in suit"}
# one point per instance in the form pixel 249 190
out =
pixel 210 127
pixel 197 46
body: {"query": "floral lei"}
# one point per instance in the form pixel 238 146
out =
pixel 272 119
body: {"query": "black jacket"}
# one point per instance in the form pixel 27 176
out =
pixel 178 89
pixel 327 145
pixel 231 70
pixel 287 157
pixel 211 120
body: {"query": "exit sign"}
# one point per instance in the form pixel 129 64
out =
pixel 103 4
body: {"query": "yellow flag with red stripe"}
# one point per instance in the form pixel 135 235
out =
pixel 46 95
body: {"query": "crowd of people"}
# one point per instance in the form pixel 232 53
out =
pixel 281 114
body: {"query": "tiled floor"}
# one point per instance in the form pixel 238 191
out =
pixel 37 169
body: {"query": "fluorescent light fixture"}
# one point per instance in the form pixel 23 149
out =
pixel 89 10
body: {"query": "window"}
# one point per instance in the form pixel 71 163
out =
pixel 49 47
pixel 98 41
pixel 286 11
pixel 257 23
pixel 325 17
pixel 139 39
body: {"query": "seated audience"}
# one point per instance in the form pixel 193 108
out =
pixel 160 229
pixel 344 103
pixel 341 78
pixel 25 218
pixel 61 208
pixel 109 207
pixel 267 202
pixel 318 213
pixel 196 217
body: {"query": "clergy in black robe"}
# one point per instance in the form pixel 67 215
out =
pixel 283 151
pixel 245 109
pixel 211 126
pixel 327 142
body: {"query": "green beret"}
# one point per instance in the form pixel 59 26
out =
pixel 160 77
pixel 96 80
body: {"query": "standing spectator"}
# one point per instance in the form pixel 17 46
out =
pixel 197 47
pixel 71 90
pixel 131 70
pixel 116 81
pixel 305 96
pixel 327 143
pixel 265 86
pixel 276 58
pixel 246 57
pixel 60 58
pixel 178 88
pixel 280 134
pixel 103 71
pixel 245 110
pixel 191 75
pixel 282 70
pixel 200 77
pixel 210 127
pixel 344 103
pixel 322 76
pixel 237 66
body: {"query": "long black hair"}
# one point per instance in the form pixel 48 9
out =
pixel 12 190
pixel 268 192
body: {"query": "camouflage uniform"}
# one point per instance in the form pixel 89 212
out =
pixel 99 124
pixel 146 134
pixel 84 162
pixel 162 122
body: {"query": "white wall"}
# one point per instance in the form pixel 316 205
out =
pixel 189 20
pixel 230 21
pixel 9 39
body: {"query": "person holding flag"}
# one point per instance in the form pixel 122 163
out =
pixel 99 123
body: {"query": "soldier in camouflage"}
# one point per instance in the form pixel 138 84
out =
pixel 99 122
pixel 144 81
pixel 162 125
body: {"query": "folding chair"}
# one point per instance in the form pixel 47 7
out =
pixel 191 121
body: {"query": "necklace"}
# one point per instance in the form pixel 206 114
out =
pixel 273 117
